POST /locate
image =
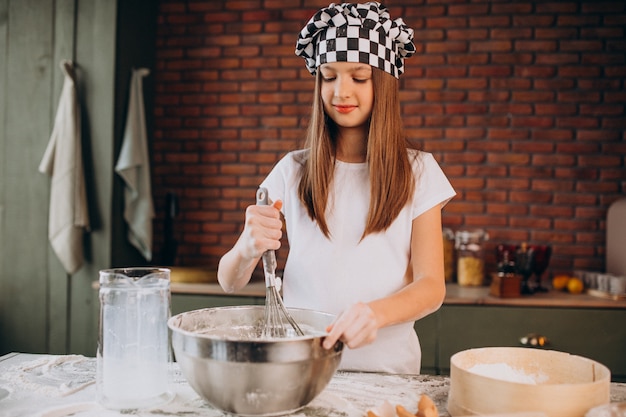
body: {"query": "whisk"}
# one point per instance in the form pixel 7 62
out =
pixel 275 312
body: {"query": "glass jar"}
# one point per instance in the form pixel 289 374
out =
pixel 471 257
pixel 449 257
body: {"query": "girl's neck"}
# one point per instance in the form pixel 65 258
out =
pixel 352 145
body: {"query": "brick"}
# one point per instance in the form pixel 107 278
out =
pixel 454 34
pixel 530 197
pixel 602 109
pixel 557 33
pixel 614 19
pixel 511 83
pixel 464 133
pixel 487 195
pixel 600 160
pixel 577 122
pixel 555 109
pixel 533 21
pixel 597 135
pixel 532 96
pixel 507 210
pixel 446 47
pixel 466 83
pixel 532 147
pixel 606 7
pixel 467 59
pixel 531 171
pixel 511 109
pixel 446 22
pixel 553 160
pixel 468 9
pixel 490 21
pixel 535 71
pixel 601 187
pixel 578 96
pixel 489 121
pixel 556 84
pixel 444 120
pixel 424 108
pixel 491 46
pixel 578 20
pixel 508 158
pixel 429 59
pixel 465 108
pixel 536 46
pixel 613 123
pixel 602 59
pixel 444 145
pixel 428 35
pixel 576 173
pixel 514 58
pixel 511 33
pixel 490 71
pixel 530 222
pixel 487 146
pixel 445 72
pixel 615 174
pixel 424 133
pixel 602 32
pixel 508 184
pixel 448 96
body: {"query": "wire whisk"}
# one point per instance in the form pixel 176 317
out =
pixel 278 322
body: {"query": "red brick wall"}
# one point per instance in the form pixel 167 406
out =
pixel 522 103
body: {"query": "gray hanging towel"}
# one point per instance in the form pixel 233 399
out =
pixel 63 161
pixel 133 165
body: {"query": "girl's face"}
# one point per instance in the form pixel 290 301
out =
pixel 347 93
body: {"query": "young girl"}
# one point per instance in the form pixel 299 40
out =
pixel 362 210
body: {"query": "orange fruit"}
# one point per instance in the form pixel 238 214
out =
pixel 559 282
pixel 575 286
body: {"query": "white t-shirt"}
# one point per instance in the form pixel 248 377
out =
pixel 330 275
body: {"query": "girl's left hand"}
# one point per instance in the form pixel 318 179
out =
pixel 357 326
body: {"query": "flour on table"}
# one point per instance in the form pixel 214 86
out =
pixel 506 372
pixel 54 376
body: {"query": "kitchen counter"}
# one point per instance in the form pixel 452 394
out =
pixel 57 386
pixel 455 295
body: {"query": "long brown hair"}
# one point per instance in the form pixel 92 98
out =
pixel 391 179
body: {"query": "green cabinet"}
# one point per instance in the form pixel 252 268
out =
pixel 598 334
pixel 187 302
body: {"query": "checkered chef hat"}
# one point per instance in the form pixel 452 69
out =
pixel 351 32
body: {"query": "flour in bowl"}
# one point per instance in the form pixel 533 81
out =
pixel 506 372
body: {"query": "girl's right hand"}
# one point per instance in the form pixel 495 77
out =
pixel 262 230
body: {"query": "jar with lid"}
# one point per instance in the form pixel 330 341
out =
pixel 449 256
pixel 471 257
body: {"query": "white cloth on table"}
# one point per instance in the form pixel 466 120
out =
pixel 63 161
pixel 133 165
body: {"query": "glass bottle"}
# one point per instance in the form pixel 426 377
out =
pixel 471 257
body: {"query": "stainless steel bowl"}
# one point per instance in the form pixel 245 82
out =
pixel 250 376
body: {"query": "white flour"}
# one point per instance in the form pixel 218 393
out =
pixel 506 372
pixel 53 376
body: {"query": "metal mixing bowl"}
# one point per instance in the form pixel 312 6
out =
pixel 248 375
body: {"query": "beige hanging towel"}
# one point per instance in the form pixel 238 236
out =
pixel 133 165
pixel 63 161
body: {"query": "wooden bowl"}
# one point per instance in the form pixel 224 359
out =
pixel 509 380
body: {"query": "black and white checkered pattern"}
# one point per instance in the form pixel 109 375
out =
pixel 352 32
